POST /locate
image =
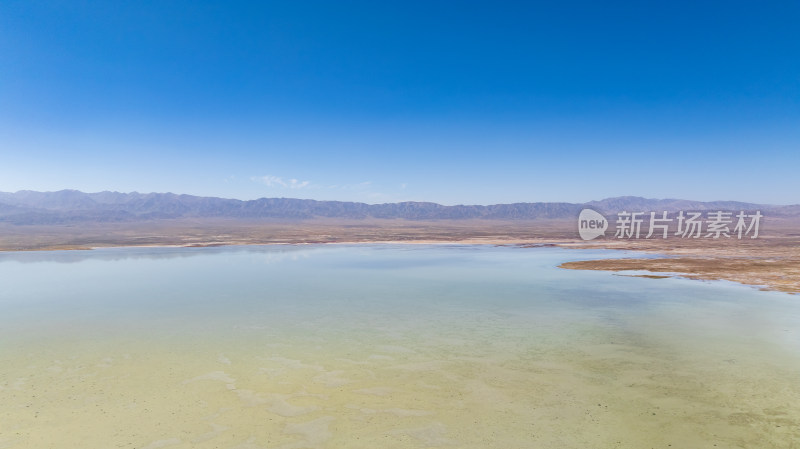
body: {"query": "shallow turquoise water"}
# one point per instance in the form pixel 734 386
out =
pixel 466 346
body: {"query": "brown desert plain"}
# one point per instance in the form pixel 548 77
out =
pixel 770 262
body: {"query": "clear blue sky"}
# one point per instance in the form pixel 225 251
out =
pixel 452 102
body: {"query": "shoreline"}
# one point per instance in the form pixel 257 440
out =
pixel 466 241
pixel 768 271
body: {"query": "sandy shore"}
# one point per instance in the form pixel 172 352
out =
pixel 771 262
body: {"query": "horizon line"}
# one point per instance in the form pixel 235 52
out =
pixel 402 202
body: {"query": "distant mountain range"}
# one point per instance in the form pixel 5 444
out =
pixel 71 206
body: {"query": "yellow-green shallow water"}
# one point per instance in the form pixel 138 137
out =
pixel 385 346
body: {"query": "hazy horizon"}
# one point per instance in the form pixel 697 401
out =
pixel 390 202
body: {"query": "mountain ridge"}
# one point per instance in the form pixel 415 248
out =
pixel 28 207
